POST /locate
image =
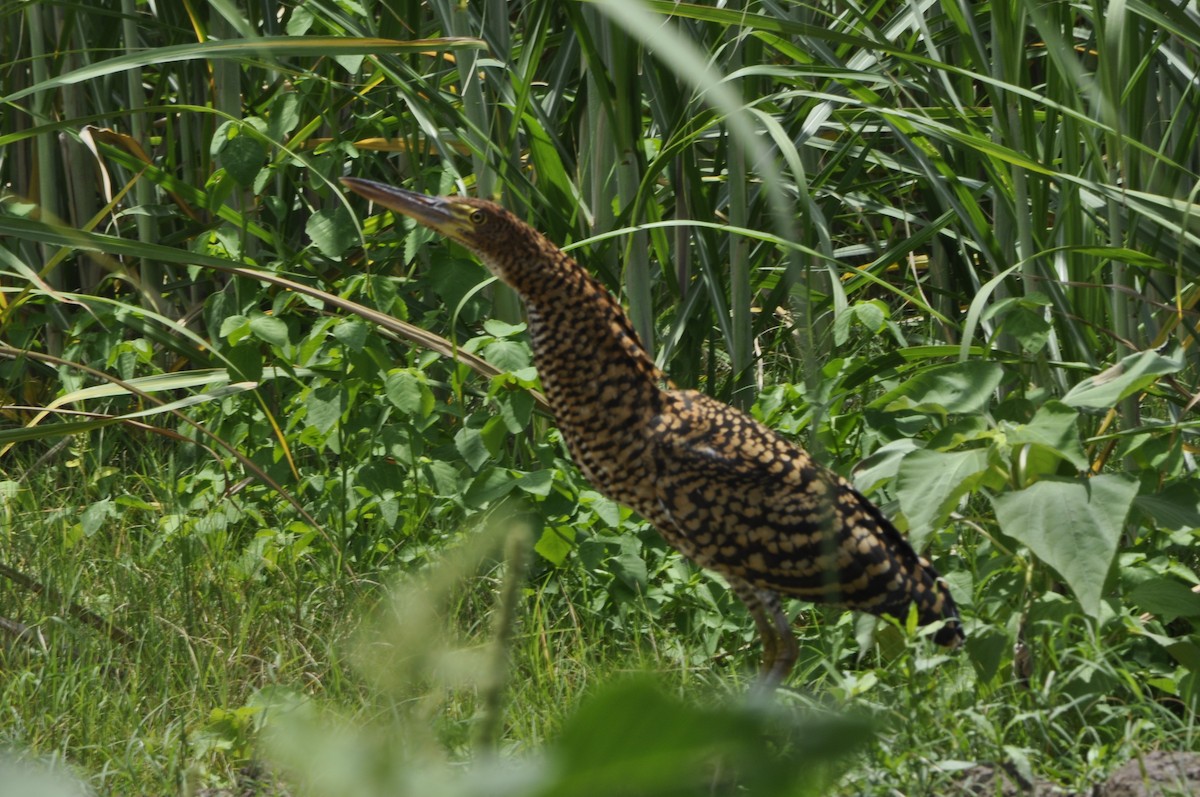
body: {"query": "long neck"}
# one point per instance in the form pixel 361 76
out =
pixel 600 382
pixel 587 352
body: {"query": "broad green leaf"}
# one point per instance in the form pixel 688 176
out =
pixel 445 479
pixel 502 329
pixel 595 551
pixel 1176 507
pixel 605 508
pixel 494 432
pixel 403 389
pixel 469 443
pixel 631 737
pixel 882 464
pixel 243 157
pixel 535 482
pixel 325 406
pixel 986 649
pixel 381 477
pixel 489 485
pixel 95 516
pixel 870 314
pixel 1029 326
pixel 963 387
pixel 1183 651
pixel 269 329
pixel 284 116
pixel 507 355
pixel 554 546
pixel 234 327
pixel 1054 426
pixel 1166 597
pixel 630 567
pixel 332 230
pixel 930 483
pixel 299 21
pixel 1072 526
pixel 516 408
pixel 352 332
pixel 245 361
pixel 1131 375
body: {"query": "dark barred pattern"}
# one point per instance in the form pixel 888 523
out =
pixel 723 489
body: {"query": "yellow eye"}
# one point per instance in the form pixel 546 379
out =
pixel 478 217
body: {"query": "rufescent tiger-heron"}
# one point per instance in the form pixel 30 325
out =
pixel 723 489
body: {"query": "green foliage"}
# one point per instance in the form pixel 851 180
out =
pixel 952 243
pixel 629 736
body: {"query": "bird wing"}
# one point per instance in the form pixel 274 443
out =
pixel 751 504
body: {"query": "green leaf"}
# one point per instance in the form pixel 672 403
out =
pixel 630 567
pixel 332 230
pixel 1176 507
pixel 1072 526
pixel 871 314
pixel 507 355
pixel 605 508
pixel 1131 375
pixel 445 479
pixel 1055 427
pixel 243 156
pixel 270 330
pixel 929 484
pixel 95 516
pixel 452 278
pixel 489 485
pixel 1166 597
pixel 469 443
pixel 986 649
pixel 284 115
pixel 1029 326
pixel 352 333
pixel 246 362
pixel 325 406
pixel 554 546
pixel 882 464
pixel 964 387
pixel 502 329
pixel 535 482
pixel 406 391
pixel 1183 651
pixel 494 432
pixel 516 408
pixel 299 22
pixel 631 737
pixel 234 327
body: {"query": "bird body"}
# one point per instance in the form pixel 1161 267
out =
pixel 723 489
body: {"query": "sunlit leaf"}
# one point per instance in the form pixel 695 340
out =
pixel 325 406
pixel 1072 526
pixel 1054 427
pixel 930 483
pixel 1131 375
pixel 956 388
pixel 332 231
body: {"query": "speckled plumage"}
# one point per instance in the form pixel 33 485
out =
pixel 722 488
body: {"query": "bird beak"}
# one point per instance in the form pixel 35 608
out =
pixel 432 211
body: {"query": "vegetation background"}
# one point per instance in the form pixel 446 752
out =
pixel 950 247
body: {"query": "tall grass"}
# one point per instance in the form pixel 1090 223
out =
pixel 952 242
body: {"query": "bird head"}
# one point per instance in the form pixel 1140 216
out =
pixel 498 238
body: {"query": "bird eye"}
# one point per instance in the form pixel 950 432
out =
pixel 477 217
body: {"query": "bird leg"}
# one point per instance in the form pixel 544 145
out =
pixel 787 649
pixel 779 644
